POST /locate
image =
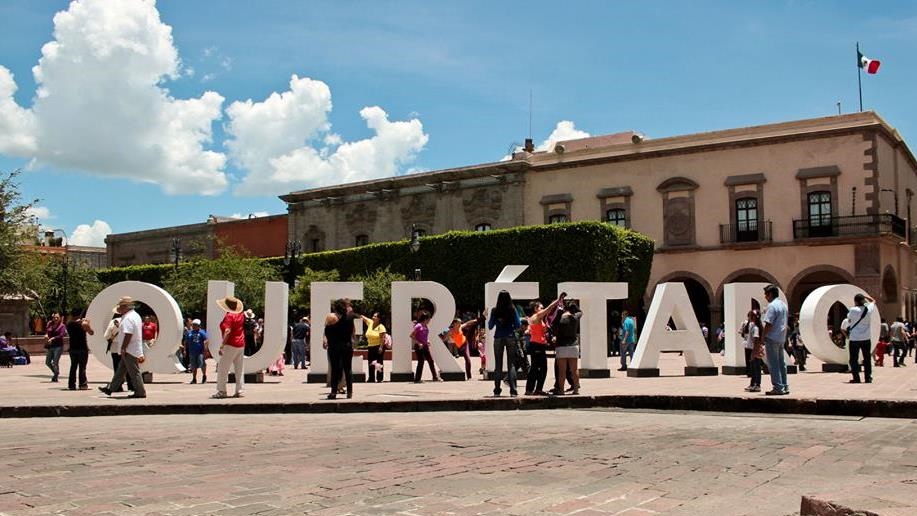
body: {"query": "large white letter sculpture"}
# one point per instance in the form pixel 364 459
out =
pixel 160 358
pixel 671 301
pixel 276 302
pixel 320 298
pixel 594 323
pixel 403 292
pixel 737 299
pixel 813 318
pixel 518 291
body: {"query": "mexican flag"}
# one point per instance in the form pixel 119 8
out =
pixel 870 65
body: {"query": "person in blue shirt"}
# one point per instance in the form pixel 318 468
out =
pixel 775 326
pixel 195 341
pixel 628 339
pixel 504 320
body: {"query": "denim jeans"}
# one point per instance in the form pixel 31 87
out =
pixel 776 363
pixel 856 347
pixel 299 353
pixel 754 371
pixel 52 360
pixel 900 353
pixel 501 344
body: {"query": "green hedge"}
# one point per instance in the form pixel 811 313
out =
pixel 464 261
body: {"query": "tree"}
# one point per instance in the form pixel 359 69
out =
pixel 377 290
pixel 57 283
pixel 15 225
pixel 300 298
pixel 188 285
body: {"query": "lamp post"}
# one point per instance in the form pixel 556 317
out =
pixel 50 236
pixel 290 258
pixel 415 246
pixel 176 251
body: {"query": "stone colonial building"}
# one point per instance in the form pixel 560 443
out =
pixel 800 204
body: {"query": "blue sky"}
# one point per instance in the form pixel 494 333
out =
pixel 450 83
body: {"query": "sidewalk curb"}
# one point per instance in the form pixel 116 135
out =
pixel 781 405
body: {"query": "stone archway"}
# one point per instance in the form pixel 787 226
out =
pixel 811 278
pixel 889 285
pixel 747 275
pixel 701 295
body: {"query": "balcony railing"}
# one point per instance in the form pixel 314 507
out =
pixel 913 237
pixel 857 225
pixel 745 232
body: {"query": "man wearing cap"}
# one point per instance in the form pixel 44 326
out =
pixel 195 342
pixel 131 347
pixel 233 346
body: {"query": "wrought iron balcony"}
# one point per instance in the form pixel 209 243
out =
pixel 746 232
pixel 858 225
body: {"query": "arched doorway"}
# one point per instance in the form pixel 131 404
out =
pixel 810 279
pixel 889 285
pixel 700 294
pixel 746 276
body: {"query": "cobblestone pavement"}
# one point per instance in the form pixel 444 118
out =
pixel 584 462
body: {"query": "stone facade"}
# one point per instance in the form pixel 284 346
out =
pixel 379 211
pixel 836 191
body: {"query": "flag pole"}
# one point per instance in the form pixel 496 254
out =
pixel 859 77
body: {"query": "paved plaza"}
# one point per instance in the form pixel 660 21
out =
pixel 29 386
pixel 388 460
pixel 584 462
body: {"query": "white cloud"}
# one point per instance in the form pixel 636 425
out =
pixel 91 236
pixel 256 214
pixel 100 106
pixel 39 213
pixel 563 131
pixel 274 140
pixel 17 125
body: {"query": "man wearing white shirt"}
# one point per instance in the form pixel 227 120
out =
pixel 131 348
pixel 858 331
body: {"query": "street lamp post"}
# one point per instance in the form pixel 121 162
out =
pixel 415 246
pixel 176 251
pixel 290 258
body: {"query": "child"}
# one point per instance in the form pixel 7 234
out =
pixel 879 353
pixel 753 337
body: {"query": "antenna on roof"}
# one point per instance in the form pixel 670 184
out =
pixel 531 101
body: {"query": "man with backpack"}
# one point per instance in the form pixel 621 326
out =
pixel 859 317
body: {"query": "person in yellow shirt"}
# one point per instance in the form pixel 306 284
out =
pixel 375 339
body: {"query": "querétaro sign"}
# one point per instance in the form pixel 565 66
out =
pixel 670 302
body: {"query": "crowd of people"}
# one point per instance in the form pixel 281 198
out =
pixel 523 339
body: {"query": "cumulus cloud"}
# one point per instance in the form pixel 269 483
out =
pixel 100 106
pixel 91 236
pixel 285 143
pixel 39 213
pixel 564 130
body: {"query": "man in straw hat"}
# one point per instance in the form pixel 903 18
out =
pixel 233 346
pixel 131 349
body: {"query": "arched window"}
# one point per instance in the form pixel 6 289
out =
pixel 616 216
pixel 557 218
pixel 484 226
pixel 361 240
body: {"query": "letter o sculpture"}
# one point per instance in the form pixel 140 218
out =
pixel 160 358
pixel 814 315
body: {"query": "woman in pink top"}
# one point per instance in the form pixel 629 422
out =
pixel 421 338
pixel 233 347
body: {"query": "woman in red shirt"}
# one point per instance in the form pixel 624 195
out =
pixel 538 348
pixel 233 347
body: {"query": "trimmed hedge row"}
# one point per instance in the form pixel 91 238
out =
pixel 464 261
